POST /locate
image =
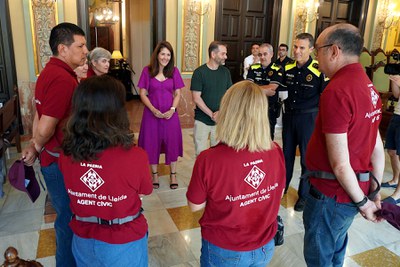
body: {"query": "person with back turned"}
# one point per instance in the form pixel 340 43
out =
pixel 239 183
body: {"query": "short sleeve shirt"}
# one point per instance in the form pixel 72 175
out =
pixel 304 85
pixel 350 104
pixel 108 188
pixel 54 89
pixel 242 191
pixel 283 62
pixel 266 75
pixel 212 84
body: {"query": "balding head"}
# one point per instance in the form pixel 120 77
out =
pixel 338 46
pixel 345 36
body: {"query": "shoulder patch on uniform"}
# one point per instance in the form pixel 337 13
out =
pixel 255 66
pixel 313 67
pixel 290 65
pixel 276 67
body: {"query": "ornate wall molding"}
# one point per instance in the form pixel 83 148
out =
pixel 192 34
pixel 299 26
pixel 380 24
pixel 43 17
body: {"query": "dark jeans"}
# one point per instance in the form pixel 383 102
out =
pixel 60 201
pixel 326 223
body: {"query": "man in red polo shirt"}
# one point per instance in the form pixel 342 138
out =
pixel 344 150
pixel 54 89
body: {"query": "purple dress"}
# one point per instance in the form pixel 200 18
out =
pixel 161 135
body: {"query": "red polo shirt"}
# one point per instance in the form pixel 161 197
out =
pixel 348 105
pixel 54 89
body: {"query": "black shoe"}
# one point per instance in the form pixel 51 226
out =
pixel 299 206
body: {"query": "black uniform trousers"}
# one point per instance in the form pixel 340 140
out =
pixel 272 116
pixel 297 130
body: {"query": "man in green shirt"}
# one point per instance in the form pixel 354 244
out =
pixel 209 83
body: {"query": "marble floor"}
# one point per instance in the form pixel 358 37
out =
pixel 174 233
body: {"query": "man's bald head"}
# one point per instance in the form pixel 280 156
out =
pixel 345 36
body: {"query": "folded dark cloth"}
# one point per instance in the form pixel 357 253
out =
pixel 391 213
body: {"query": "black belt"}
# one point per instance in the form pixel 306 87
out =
pixel 119 221
pixel 300 111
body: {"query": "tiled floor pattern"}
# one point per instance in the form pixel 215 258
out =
pixel 174 233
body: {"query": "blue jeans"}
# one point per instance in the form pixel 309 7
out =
pixel 60 201
pixel 211 255
pixel 92 252
pixel 326 223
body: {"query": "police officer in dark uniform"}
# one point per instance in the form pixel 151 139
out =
pixel 283 58
pixel 305 84
pixel 269 76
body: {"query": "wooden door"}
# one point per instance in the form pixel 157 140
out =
pixel 337 11
pixel 102 36
pixel 239 23
pixel 8 76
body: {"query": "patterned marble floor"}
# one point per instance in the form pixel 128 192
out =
pixel 174 233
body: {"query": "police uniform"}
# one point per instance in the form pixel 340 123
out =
pixel 272 74
pixel 284 62
pixel 305 85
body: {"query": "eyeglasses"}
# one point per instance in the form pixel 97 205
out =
pixel 317 48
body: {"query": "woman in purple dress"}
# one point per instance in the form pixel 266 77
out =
pixel 160 132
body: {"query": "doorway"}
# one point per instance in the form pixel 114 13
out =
pixel 240 23
pixel 337 11
pixel 8 76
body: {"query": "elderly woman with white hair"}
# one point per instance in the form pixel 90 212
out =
pixel 99 61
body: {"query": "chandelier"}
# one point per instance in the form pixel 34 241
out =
pixel 105 15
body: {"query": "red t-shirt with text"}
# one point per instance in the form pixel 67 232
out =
pixel 348 105
pixel 108 188
pixel 242 191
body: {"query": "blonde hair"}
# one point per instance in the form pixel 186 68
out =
pixel 243 118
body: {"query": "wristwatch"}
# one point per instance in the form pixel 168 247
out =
pixel 362 202
pixel 173 108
